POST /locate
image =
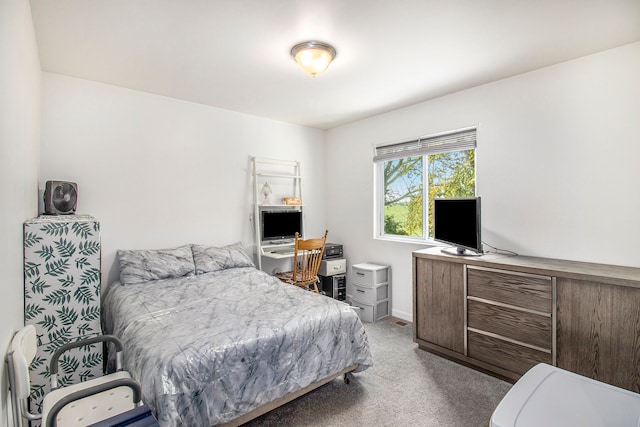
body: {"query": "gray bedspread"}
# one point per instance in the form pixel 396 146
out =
pixel 211 347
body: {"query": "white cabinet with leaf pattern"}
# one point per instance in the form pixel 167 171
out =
pixel 62 296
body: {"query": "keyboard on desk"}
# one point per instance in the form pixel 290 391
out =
pixel 283 251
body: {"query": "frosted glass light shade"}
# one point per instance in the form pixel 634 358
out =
pixel 313 57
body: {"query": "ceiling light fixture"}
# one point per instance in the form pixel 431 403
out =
pixel 313 57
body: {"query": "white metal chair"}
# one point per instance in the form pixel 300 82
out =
pixel 75 405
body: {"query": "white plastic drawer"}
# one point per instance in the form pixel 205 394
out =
pixel 368 274
pixel 371 313
pixel 369 295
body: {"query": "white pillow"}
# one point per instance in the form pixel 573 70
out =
pixel 210 258
pixel 138 266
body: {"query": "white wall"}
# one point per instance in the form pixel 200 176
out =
pixel 159 172
pixel 19 144
pixel 557 165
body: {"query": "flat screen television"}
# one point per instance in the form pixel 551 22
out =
pixel 282 225
pixel 457 223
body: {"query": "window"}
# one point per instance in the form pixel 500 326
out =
pixel 409 175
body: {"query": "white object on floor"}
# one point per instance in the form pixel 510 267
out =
pixel 549 396
pixel 75 405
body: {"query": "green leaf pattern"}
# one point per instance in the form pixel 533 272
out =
pixel 55 228
pixel 31 269
pixel 68 364
pixel 65 247
pixel 38 286
pixel 58 267
pixel 46 252
pixel 38 361
pixel 31 311
pixel 48 323
pixel 87 374
pixel 31 239
pixel 67 281
pixel 37 393
pixel 82 229
pixel 50 348
pixel 61 334
pixel 82 329
pixel 91 359
pixel 83 294
pixel 89 248
pixel 65 380
pixel 67 315
pixel 82 262
pixel 90 276
pixel 62 297
pixel 90 313
pixel 57 297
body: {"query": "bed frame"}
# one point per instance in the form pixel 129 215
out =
pixel 261 410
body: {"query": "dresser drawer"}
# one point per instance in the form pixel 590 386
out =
pixel 368 295
pixel 528 291
pixel 523 326
pixel 506 355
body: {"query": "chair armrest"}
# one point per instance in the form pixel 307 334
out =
pixel 53 369
pixel 51 420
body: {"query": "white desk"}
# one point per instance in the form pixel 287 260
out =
pixel 282 251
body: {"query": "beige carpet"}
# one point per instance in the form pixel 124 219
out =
pixel 405 387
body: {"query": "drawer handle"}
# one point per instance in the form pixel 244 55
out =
pixel 360 274
pixel 360 290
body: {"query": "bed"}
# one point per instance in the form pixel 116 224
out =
pixel 213 340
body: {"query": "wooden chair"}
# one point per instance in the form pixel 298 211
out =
pixel 307 255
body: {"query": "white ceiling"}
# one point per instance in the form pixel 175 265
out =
pixel 234 54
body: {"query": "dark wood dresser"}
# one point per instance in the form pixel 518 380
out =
pixel 504 314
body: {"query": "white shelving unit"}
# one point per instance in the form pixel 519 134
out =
pixel 285 180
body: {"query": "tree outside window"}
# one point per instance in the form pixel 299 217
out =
pixel 449 174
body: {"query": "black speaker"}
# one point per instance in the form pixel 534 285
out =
pixel 60 198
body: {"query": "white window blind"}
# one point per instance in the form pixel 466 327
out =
pixel 459 140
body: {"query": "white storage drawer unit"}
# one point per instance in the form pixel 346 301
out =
pixel 370 290
pixel 369 274
pixel 371 313
pixel 370 295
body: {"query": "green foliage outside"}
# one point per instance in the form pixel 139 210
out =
pixel 402 185
pixel 449 175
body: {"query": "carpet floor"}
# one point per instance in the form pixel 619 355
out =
pixel 405 387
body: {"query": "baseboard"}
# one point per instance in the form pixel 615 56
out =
pixel 408 317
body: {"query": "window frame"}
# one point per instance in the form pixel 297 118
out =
pixel 423 146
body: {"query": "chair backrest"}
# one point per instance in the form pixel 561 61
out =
pixel 307 256
pixel 23 349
